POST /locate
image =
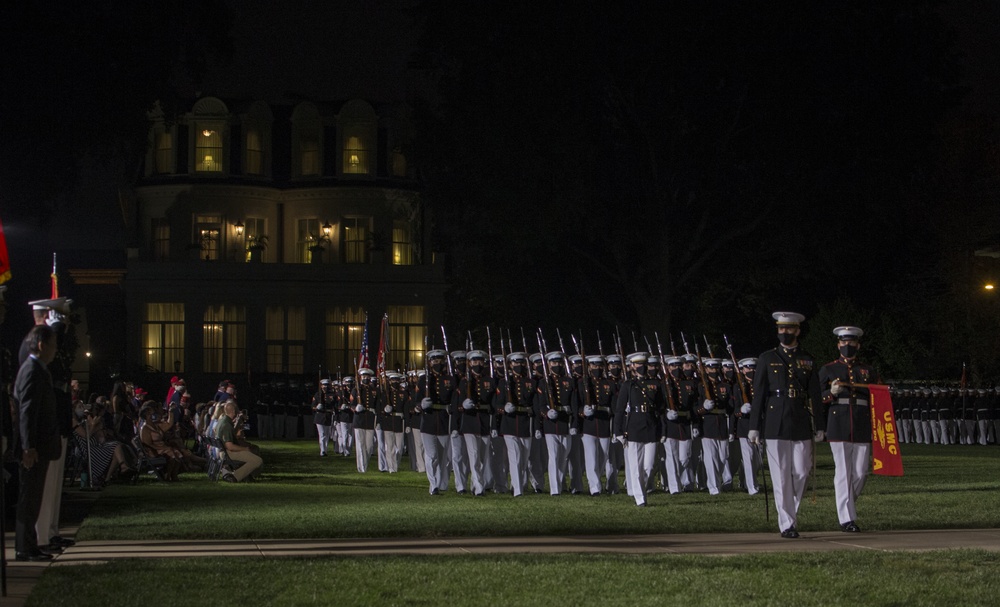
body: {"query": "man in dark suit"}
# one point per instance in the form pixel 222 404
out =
pixel 39 436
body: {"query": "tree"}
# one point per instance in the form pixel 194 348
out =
pixel 679 165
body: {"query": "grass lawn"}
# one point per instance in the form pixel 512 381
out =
pixel 303 495
pixel 957 577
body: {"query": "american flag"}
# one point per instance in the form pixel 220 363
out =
pixel 383 345
pixel 363 356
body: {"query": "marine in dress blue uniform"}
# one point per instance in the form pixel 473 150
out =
pixel 785 404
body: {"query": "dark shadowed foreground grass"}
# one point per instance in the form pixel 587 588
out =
pixel 305 496
pixel 835 578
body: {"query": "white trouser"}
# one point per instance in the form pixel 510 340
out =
pixel 945 431
pixel 628 470
pixel 595 456
pixel 559 446
pixel 966 430
pixel 498 464
pixel 936 430
pixel 751 464
pixel 435 460
pixel 383 465
pixel 640 458
pixel 789 463
pixel 393 450
pixel 918 431
pixel 904 426
pixel 983 431
pixel 928 433
pixel 345 437
pixel 47 525
pixel 477 446
pixel 417 453
pixel 364 441
pixel 851 469
pixel 716 454
pixel 459 460
pixel 324 437
pixel 678 464
pixel 518 450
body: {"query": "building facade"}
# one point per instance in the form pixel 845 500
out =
pixel 267 235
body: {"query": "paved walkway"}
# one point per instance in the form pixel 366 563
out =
pixel 22 576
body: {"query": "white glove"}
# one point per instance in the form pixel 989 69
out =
pixel 509 408
pixel 835 387
pixel 732 437
pixel 620 439
pixel 745 409
pixel 359 409
pixel 454 433
pixel 753 437
pixel 708 405
pixel 672 415
pixel 663 439
pixel 406 430
pixel 426 403
pixel 552 414
pixel 588 411
pixel 695 432
pixel 820 436
pixel 494 434
pixel 572 431
pixel 388 409
pixel 538 435
pixel 468 404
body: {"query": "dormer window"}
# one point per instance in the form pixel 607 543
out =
pixel 307 153
pixel 355 156
pixel 359 127
pixel 164 157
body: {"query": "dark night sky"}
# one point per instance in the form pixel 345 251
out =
pixel 339 50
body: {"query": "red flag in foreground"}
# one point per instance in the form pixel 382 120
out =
pixel 886 458
pixel 4 258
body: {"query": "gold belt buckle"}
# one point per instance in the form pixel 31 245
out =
pixel 793 393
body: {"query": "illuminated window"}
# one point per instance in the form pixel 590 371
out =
pixel 164 158
pixel 254 153
pixel 161 239
pixel 356 239
pixel 344 329
pixel 402 244
pixel 356 155
pixel 255 228
pixel 208 234
pixel 285 333
pixel 208 150
pixel 306 236
pixel 224 339
pixel 407 329
pixel 163 337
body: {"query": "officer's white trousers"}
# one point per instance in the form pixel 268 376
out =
pixel 789 463
pixel 478 448
pixel 323 431
pixel 364 441
pixel 639 458
pixel 716 455
pixel 751 465
pixel 393 450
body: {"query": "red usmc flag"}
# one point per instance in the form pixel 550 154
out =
pixel 886 458
pixel 4 258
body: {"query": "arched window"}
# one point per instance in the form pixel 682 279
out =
pixel 209 124
pixel 307 151
pixel 359 127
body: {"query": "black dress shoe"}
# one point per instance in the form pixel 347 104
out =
pixel 33 557
pixel 65 542
pixel 790 534
pixel 52 548
pixel 850 527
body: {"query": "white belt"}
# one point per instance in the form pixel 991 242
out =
pixel 858 402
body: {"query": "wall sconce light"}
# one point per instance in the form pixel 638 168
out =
pixel 327 228
pixel 239 227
